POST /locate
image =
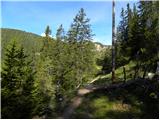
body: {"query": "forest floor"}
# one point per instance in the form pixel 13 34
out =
pixel 101 99
pixel 121 100
pixel 76 101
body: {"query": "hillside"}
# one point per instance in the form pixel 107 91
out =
pixel 100 47
pixel 31 42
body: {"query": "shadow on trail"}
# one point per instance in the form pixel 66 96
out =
pixel 134 99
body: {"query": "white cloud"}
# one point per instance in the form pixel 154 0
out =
pixel 50 36
pixel 43 34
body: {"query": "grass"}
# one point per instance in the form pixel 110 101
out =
pixel 138 100
pixel 132 101
pixel 99 106
pixel 106 79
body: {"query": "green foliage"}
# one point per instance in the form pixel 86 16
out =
pixel 60 33
pixel 44 93
pixel 105 79
pixel 48 31
pixel 137 36
pixel 17 84
pixel 32 43
pixel 72 59
pixel 68 62
pixel 62 65
pixel 138 100
pixel 105 61
pixel 80 48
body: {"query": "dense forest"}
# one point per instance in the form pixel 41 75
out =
pixel 45 77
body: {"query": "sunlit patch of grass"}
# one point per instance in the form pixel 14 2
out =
pixel 129 68
pixel 98 67
pixel 108 104
pixel 131 101
pixel 103 105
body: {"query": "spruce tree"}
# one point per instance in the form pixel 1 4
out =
pixel 122 48
pixel 149 17
pixel 140 43
pixel 47 42
pixel 60 65
pixel 48 31
pixel 79 37
pixel 44 92
pixel 17 85
pixel 44 83
pixel 60 33
pixel 134 38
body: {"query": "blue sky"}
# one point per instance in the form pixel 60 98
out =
pixel 34 16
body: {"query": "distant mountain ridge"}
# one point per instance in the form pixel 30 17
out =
pixel 100 46
pixel 31 41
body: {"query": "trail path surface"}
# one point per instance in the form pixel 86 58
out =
pixel 76 101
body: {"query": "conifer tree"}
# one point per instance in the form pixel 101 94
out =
pixel 134 38
pixel 122 48
pixel 44 83
pixel 47 42
pixel 59 61
pixel 149 17
pixel 60 33
pixel 139 42
pixel 17 85
pixel 79 37
pixel 44 92
pixel 48 31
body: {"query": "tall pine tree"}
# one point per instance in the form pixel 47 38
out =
pixel 17 84
pixel 79 37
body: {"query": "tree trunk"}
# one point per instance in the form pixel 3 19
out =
pixel 145 71
pixel 136 70
pixel 124 72
pixel 113 41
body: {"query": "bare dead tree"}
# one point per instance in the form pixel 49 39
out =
pixel 113 41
